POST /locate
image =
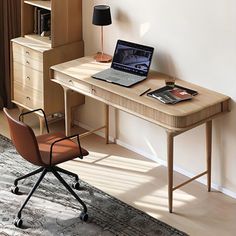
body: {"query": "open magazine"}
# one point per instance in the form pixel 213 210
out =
pixel 172 95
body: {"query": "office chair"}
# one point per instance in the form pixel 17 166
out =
pixel 45 151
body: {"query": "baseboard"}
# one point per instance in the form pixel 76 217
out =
pixel 158 160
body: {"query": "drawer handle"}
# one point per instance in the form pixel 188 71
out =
pixel 28 98
pixel 27 62
pixel 28 77
pixel 70 81
pixel 27 52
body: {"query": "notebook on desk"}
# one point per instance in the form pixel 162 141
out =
pixel 130 64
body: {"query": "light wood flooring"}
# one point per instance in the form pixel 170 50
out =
pixel 143 184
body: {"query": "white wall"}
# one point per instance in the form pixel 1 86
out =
pixel 194 41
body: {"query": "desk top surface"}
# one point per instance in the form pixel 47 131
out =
pixel 204 105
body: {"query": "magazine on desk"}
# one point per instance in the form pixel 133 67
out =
pixel 173 95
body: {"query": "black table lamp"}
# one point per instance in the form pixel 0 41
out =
pixel 102 17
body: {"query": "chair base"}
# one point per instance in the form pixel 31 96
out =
pixel 44 170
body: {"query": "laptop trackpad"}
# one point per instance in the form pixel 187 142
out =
pixel 112 79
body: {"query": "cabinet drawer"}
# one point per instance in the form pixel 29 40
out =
pixel 26 96
pixel 27 52
pixel 27 76
pixel 28 61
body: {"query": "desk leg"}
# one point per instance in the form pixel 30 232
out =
pixel 41 124
pixel 67 112
pixel 107 123
pixel 170 155
pixel 208 152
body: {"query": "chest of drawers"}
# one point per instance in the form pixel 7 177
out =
pixel 28 77
pixel 31 86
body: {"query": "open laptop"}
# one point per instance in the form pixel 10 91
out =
pixel 130 64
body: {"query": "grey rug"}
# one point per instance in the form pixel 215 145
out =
pixel 53 211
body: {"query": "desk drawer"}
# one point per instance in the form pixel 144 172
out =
pixel 74 84
pixel 130 106
pixel 27 76
pixel 27 52
pixel 27 96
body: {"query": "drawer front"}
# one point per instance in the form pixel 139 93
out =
pixel 79 85
pixel 27 52
pixel 28 61
pixel 27 76
pixel 28 97
pixel 74 84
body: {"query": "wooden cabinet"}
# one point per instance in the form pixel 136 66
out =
pixel 32 54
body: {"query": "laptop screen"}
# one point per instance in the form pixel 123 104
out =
pixel 132 58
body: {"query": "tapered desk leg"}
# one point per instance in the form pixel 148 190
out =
pixel 41 124
pixel 170 152
pixel 67 112
pixel 208 152
pixel 107 123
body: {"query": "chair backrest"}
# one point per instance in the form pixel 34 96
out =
pixel 24 140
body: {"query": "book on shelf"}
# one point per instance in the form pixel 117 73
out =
pixel 45 22
pixel 42 21
pixel 172 95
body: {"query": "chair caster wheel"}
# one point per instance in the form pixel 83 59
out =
pixel 76 185
pixel 18 222
pixel 83 216
pixel 14 189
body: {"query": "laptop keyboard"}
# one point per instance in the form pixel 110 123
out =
pixel 119 75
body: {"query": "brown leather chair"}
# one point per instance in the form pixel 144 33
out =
pixel 45 151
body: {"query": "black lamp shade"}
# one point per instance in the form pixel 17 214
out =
pixel 101 15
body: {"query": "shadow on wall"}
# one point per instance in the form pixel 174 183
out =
pixel 123 20
pixel 164 63
pixel 134 31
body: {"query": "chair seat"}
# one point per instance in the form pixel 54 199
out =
pixel 62 151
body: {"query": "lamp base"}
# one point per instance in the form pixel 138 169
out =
pixel 102 57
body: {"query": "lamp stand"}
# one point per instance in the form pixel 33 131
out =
pixel 101 56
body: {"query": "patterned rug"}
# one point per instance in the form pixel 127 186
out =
pixel 53 211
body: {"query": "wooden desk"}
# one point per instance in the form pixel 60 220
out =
pixel 175 119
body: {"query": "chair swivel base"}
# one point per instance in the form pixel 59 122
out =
pixel 18 222
pixel 14 189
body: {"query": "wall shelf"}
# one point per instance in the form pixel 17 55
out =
pixel 42 4
pixel 39 38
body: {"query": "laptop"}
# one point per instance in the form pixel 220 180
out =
pixel 130 64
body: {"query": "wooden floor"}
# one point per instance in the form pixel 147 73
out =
pixel 143 184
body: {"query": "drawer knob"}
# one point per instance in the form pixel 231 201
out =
pixel 28 77
pixel 27 52
pixel 27 62
pixel 28 98
pixel 70 81
pixel 93 91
